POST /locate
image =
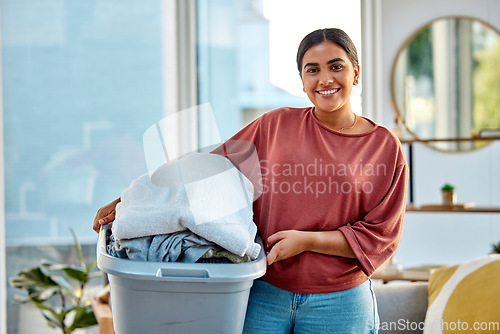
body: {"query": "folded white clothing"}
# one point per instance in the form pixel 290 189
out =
pixel 212 199
pixel 146 209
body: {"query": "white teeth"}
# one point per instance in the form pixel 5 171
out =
pixel 327 92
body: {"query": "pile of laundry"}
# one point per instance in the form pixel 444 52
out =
pixel 194 209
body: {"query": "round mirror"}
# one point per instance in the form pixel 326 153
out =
pixel 446 83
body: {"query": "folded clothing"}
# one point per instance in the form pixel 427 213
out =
pixel 222 256
pixel 147 210
pixel 212 199
pixel 182 246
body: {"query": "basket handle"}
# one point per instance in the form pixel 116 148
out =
pixel 182 274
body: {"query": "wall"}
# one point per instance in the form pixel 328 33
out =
pixel 432 238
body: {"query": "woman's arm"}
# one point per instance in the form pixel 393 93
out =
pixel 285 244
pixel 105 215
pixel 370 241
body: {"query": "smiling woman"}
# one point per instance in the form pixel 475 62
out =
pixel 328 84
pixel 340 226
pixel 309 223
pixel 331 70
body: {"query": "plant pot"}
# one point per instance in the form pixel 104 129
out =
pixel 449 197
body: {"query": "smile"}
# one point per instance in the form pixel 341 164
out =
pixel 328 92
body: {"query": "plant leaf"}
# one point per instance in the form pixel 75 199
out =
pixel 84 317
pixel 51 265
pixel 91 266
pixel 78 247
pixel 52 316
pixel 51 321
pixel 39 286
pixel 45 294
pixel 41 295
pixel 495 248
pixel 43 307
pixel 33 277
pixel 20 299
pixel 67 288
pixel 77 274
pixel 96 274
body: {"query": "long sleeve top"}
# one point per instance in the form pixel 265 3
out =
pixel 317 179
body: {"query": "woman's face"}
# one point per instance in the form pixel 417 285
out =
pixel 328 77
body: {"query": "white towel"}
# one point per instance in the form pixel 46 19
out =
pixel 214 201
pixel 146 209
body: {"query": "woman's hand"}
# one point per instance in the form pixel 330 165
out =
pixel 105 215
pixel 285 244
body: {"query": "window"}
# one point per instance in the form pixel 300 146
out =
pixel 247 49
pixel 81 81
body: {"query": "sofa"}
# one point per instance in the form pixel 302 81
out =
pixel 462 298
pixel 401 307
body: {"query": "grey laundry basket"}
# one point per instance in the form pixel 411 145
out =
pixel 174 297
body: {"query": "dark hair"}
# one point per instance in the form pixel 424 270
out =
pixel 333 35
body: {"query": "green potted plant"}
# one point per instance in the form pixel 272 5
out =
pixel 495 248
pixel 57 291
pixel 448 194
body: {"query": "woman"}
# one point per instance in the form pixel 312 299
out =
pixel 332 207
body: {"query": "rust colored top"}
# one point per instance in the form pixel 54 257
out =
pixel 318 179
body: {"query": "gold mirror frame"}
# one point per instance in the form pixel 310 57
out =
pixel 450 143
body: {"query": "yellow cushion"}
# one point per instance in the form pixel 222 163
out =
pixel 465 298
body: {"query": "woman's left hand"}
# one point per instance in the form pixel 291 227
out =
pixel 285 244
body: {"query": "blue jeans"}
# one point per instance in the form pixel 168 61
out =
pixel 275 311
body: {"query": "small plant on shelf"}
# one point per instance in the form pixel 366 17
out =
pixel 57 291
pixel 448 187
pixel 448 193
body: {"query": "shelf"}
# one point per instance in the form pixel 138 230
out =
pixel 432 140
pixel 451 208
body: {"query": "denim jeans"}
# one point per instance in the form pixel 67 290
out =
pixel 275 311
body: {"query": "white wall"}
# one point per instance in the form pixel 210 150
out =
pixel 432 238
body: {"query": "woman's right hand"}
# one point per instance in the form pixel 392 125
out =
pixel 105 215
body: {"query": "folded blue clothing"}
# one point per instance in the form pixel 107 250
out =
pixel 181 246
